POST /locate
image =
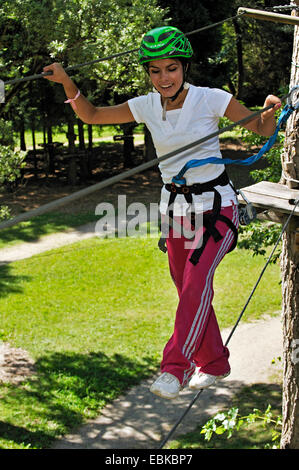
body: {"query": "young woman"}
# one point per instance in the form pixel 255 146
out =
pixel 177 114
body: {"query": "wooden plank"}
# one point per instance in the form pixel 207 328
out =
pixel 271 196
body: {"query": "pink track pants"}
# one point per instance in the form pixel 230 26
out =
pixel 196 341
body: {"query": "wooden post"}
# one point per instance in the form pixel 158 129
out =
pixel 290 279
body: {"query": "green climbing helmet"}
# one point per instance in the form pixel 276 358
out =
pixel 163 43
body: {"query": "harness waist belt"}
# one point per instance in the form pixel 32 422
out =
pixel 199 188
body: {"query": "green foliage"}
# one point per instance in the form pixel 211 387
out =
pixel 231 421
pixel 35 33
pixel 11 162
pixel 257 236
pixel 273 156
pixel 250 48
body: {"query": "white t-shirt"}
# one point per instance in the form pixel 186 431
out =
pixel 198 118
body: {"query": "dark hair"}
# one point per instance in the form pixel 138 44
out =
pixel 186 63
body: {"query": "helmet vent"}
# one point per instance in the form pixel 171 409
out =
pixel 165 35
pixel 149 38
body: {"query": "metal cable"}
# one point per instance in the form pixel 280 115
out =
pixel 126 174
pixel 296 202
pixel 113 56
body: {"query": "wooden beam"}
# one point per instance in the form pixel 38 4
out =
pixel 271 198
pixel 269 16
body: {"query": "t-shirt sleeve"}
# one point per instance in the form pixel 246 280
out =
pixel 137 107
pixel 218 101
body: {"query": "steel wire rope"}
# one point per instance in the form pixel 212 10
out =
pixel 126 174
pixel 113 56
pixel 166 439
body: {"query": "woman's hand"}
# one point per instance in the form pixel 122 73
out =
pixel 58 74
pixel 84 109
pixel 270 100
pixel 264 124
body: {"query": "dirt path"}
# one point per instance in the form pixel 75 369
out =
pixel 141 420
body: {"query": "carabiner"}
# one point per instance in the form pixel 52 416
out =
pixel 290 97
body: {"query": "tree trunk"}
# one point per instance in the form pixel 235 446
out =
pixel 89 136
pixel 290 282
pixel 81 134
pixel 128 146
pixel 90 154
pixel 22 137
pixel 72 166
pixel 71 136
pixel 34 147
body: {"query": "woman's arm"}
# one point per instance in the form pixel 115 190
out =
pixel 264 124
pixel 86 111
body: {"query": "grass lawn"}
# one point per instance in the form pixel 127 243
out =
pixel 95 316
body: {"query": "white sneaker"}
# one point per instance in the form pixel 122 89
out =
pixel 201 380
pixel 166 386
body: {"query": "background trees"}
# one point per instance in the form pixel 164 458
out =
pixel 246 56
pixel 249 57
pixel 34 33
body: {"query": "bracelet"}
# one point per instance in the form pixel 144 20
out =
pixel 72 100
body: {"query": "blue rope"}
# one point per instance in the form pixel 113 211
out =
pixel 285 114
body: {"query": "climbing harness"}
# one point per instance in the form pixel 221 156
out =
pixel 195 398
pixel 209 219
pixel 247 213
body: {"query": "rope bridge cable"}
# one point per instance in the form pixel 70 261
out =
pixel 117 178
pixel 113 56
pixel 166 439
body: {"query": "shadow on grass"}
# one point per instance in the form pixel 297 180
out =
pixel 68 388
pixel 32 230
pixel 10 283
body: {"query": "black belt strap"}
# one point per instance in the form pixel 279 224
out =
pixel 194 258
pixel 209 220
pixel 199 188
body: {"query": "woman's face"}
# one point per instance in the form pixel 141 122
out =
pixel 166 76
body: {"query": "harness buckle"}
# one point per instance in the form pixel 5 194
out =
pixel 173 188
pixel 185 190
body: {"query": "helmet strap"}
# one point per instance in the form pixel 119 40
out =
pixel 174 97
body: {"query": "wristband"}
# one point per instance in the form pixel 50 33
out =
pixel 72 100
